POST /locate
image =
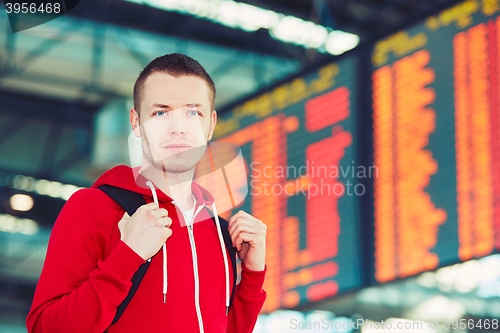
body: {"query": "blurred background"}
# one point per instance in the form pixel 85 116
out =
pixel 391 106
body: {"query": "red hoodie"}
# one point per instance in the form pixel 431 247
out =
pixel 87 272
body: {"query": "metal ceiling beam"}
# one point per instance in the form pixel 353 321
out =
pixel 225 67
pixel 128 42
pixel 52 142
pixel 67 162
pixel 60 116
pixel 97 55
pixel 10 42
pixel 18 67
pixel 33 108
pixel 130 15
pixel 10 129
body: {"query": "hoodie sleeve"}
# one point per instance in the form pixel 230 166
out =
pixel 83 281
pixel 248 300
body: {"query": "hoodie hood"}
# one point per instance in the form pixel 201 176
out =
pixel 128 178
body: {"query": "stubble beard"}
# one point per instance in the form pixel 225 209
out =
pixel 177 163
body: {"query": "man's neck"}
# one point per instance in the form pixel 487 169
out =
pixel 175 185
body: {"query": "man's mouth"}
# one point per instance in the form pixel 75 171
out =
pixel 177 147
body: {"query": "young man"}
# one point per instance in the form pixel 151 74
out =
pixel 95 248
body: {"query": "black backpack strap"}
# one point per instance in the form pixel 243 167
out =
pixel 130 202
pixel 224 226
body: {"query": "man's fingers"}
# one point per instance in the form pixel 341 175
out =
pixel 240 223
pixel 164 222
pixel 232 229
pixel 243 237
pixel 157 213
pixel 244 224
pixel 162 212
pixel 149 206
pixel 238 240
pixel 239 214
pixel 237 228
pixel 167 232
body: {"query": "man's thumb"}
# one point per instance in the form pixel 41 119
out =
pixel 124 218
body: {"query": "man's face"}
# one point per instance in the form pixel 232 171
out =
pixel 176 121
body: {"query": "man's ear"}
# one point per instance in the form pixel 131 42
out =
pixel 135 123
pixel 213 122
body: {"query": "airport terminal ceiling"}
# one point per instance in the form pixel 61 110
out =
pixel 64 73
pixel 90 58
pixel 65 86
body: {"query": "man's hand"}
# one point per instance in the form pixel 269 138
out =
pixel 147 230
pixel 249 237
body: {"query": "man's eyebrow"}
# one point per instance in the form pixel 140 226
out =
pixel 168 107
pixel 161 106
pixel 195 105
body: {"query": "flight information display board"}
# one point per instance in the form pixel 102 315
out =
pixel 436 141
pixel 299 142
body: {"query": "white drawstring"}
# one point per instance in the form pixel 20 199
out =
pixel 221 241
pixel 164 248
pixel 223 247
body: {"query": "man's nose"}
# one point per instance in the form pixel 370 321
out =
pixel 177 124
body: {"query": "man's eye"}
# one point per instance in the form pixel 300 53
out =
pixel 193 113
pixel 160 113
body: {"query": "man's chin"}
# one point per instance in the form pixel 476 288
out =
pixel 174 167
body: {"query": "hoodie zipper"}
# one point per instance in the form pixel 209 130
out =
pixel 195 264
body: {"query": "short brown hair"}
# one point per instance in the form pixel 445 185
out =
pixel 174 64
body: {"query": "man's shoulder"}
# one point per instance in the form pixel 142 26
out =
pixel 90 194
pixel 93 198
pixel 88 211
